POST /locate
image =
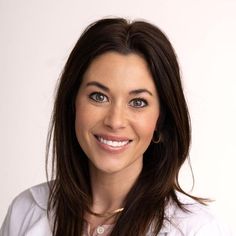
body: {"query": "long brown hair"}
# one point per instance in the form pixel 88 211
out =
pixel 70 191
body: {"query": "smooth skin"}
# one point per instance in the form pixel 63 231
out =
pixel 117 108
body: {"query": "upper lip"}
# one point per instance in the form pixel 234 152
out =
pixel 113 138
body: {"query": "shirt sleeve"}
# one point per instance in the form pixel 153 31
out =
pixel 18 215
pixel 214 227
pixel 10 224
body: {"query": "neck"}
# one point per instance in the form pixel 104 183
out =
pixel 110 189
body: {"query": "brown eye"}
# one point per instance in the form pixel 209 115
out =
pixel 138 103
pixel 98 97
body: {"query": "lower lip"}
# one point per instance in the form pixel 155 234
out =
pixel 113 150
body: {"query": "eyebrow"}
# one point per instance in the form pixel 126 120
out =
pixel 106 89
pixel 99 85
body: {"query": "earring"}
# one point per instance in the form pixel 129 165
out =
pixel 156 137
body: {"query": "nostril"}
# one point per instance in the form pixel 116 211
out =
pixel 115 119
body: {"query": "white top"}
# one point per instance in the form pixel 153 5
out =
pixel 27 216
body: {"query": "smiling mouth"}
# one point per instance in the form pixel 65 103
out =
pixel 113 143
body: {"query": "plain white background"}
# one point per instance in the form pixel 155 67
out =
pixel 36 38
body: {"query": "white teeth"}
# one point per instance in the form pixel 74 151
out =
pixel 113 143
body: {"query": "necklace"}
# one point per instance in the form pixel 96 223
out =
pixel 100 229
pixel 107 214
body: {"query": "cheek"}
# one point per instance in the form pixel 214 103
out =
pixel 85 119
pixel 81 119
pixel 82 125
pixel 145 126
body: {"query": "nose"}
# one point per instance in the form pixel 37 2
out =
pixel 115 117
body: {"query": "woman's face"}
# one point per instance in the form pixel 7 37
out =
pixel 117 108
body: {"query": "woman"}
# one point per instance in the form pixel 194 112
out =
pixel 120 133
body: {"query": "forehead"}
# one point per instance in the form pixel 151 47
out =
pixel 116 69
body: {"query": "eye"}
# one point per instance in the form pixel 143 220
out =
pixel 98 97
pixel 138 103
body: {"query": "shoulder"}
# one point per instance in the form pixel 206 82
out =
pixel 25 210
pixel 36 196
pixel 194 219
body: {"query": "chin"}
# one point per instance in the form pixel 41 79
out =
pixel 110 170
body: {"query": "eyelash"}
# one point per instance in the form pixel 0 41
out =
pixel 95 97
pixel 144 102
